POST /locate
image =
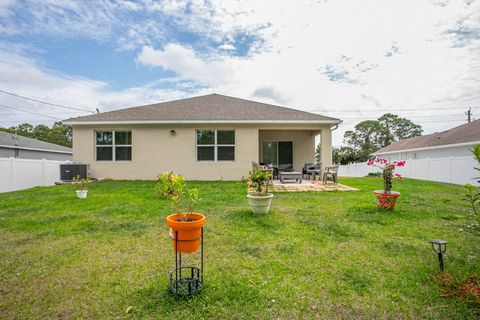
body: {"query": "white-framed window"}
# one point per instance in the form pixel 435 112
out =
pixel 215 145
pixel 113 145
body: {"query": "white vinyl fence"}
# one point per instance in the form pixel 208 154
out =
pixel 458 170
pixel 17 174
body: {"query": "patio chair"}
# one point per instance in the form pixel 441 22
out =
pixel 330 172
pixel 315 169
pixel 305 168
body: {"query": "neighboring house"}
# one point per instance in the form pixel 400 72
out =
pixel 209 137
pixel 455 142
pixel 13 145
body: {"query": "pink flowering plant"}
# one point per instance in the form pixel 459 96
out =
pixel 388 171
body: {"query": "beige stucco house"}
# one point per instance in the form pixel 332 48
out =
pixel 212 137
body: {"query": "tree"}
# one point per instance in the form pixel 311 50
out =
pixel 344 155
pixel 318 152
pixel 61 134
pixel 365 139
pixel 370 135
pixel 397 128
pixel 24 129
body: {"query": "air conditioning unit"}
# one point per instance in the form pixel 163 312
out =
pixel 71 170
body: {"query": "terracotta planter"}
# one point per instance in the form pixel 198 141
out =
pixel 259 203
pixel 189 232
pixel 386 200
pixel 81 194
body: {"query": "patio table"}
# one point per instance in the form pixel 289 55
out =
pixel 292 175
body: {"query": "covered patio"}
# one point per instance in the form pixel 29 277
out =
pixel 290 149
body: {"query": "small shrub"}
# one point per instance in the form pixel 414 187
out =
pixel 174 187
pixel 258 180
pixel 81 183
pixel 374 175
pixel 164 185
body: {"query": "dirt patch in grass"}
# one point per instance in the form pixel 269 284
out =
pixel 468 289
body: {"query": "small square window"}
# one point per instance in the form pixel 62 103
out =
pixel 226 137
pixel 104 137
pixel 205 137
pixel 123 153
pixel 123 137
pixel 205 153
pixel 226 153
pixel 104 153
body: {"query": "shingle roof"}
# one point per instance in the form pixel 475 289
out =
pixel 213 107
pixel 14 140
pixel 469 132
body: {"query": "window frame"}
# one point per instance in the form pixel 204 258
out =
pixel 113 145
pixel 215 146
pixel 276 142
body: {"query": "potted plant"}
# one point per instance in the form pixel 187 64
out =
pixel 185 226
pixel 260 200
pixel 81 186
pixel 387 198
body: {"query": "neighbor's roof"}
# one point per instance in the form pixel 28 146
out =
pixel 464 134
pixel 213 108
pixel 10 140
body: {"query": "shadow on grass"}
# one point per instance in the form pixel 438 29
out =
pixel 325 230
pixel 218 293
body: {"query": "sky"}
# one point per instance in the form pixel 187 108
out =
pixel 354 60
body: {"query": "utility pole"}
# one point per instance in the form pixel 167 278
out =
pixel 469 114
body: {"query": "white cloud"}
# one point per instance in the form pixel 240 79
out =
pixel 130 5
pixel 227 46
pixel 185 63
pixel 268 92
pixel 5 7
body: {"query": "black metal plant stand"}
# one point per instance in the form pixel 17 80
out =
pixel 186 280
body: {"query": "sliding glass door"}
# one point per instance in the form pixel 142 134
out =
pixel 278 153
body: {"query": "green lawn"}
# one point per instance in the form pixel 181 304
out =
pixel 326 255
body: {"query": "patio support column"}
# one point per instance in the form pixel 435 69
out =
pixel 326 147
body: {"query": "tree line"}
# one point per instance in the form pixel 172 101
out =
pixel 371 135
pixel 58 133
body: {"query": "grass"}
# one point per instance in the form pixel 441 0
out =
pixel 326 255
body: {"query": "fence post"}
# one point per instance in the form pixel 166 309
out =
pixel 12 174
pixel 428 168
pixel 43 172
pixel 450 166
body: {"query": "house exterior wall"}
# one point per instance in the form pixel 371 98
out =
pixel 155 150
pixel 445 152
pixel 33 154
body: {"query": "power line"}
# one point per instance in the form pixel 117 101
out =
pixel 433 117
pixel 382 110
pixel 43 102
pixel 421 121
pixel 38 114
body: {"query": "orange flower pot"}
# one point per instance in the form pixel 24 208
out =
pixel 386 200
pixel 188 232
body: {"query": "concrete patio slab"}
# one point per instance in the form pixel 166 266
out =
pixel 309 185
